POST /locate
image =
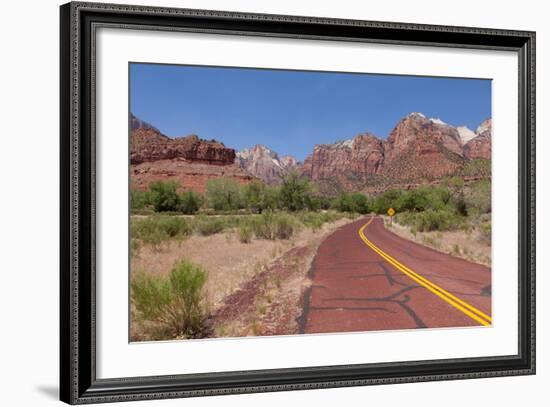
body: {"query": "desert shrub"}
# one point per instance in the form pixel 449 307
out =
pixel 156 229
pixel 437 220
pixel 147 231
pixel 223 194
pixel 430 220
pixel 478 197
pixel 313 220
pixel 176 301
pixel 187 282
pixel 274 226
pixel 207 226
pixel 173 226
pixel 164 196
pixel 263 226
pixel 150 295
pixel 140 199
pixel 245 233
pixel 285 226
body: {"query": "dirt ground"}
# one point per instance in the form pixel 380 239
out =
pixel 466 245
pixel 253 288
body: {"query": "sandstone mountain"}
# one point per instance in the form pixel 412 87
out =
pixel 421 148
pixel 346 163
pixel 189 160
pixel 480 146
pixel 417 149
pixel 265 164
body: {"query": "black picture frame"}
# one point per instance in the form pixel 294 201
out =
pixel 78 382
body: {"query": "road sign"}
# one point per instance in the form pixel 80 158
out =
pixel 391 211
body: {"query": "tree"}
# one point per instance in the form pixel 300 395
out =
pixel 389 199
pixel 189 202
pixel 352 202
pixel 223 194
pixel 296 192
pixel 255 196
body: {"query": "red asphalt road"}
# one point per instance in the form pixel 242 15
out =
pixel 355 289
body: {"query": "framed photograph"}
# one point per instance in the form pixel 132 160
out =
pixel 255 203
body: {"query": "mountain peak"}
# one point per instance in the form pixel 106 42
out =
pixel 418 114
pixel 465 134
pixel 437 120
pixel 136 123
pixel 485 127
pixel 265 163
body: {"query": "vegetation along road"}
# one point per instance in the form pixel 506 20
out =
pixel 364 277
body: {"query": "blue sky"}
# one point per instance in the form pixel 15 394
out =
pixel 291 111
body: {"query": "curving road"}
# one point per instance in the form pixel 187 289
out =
pixel 365 278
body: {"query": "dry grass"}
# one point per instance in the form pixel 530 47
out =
pixel 469 245
pixel 278 266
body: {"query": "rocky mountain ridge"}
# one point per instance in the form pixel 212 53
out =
pixel 189 160
pixel 417 149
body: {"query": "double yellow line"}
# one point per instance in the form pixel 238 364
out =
pixel 446 296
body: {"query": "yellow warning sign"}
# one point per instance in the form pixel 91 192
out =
pixel 391 211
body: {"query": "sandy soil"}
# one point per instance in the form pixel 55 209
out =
pixel 252 288
pixel 466 245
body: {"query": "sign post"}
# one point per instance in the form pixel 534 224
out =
pixel 391 212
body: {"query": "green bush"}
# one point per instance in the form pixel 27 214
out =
pixel 296 193
pixel 478 197
pixel 313 220
pixel 389 199
pixel 207 226
pixel 164 195
pixel 173 226
pixel 263 226
pixel 275 226
pixel 430 220
pixel 189 202
pixel 255 197
pixel 140 199
pixel 176 301
pixel 352 202
pixel 156 229
pixel 285 226
pixel 223 194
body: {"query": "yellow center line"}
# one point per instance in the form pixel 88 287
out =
pixel 456 302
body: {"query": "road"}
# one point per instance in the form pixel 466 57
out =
pixel 366 278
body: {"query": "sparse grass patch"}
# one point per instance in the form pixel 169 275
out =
pixel 430 241
pixel 485 233
pixel 156 229
pixel 206 226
